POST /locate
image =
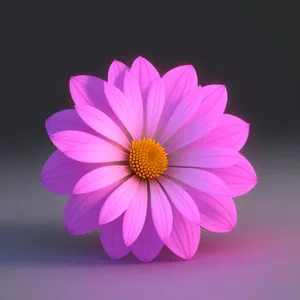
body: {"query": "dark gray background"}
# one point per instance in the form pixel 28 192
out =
pixel 252 46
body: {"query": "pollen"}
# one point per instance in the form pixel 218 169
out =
pixel 147 158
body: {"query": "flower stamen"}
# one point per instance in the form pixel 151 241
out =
pixel 147 158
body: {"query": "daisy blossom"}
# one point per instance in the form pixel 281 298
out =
pixel 148 160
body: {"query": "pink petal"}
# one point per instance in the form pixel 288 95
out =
pixel 116 74
pixel 161 210
pixel 191 132
pixel 60 173
pixel 132 91
pixel 66 120
pixel 119 200
pixel 214 100
pixel 82 211
pixel 102 124
pixel 154 106
pixel 135 215
pixel 231 132
pixel 112 239
pixel 145 73
pixel 86 147
pixel 240 178
pixel 182 113
pixel 184 238
pixel 205 158
pixel 129 111
pixel 218 213
pixel 89 90
pixel 100 178
pixel 181 200
pixel 148 244
pixel 178 82
pixel 210 113
pixel 200 180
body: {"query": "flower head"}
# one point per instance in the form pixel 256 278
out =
pixel 148 159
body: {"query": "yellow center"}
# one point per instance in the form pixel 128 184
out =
pixel 147 158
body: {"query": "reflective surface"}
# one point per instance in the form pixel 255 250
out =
pixel 258 260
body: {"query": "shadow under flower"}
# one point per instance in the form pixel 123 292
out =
pixel 51 244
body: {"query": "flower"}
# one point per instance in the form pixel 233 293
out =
pixel 148 159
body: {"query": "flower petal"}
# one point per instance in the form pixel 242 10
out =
pixel 205 158
pixel 184 238
pixel 116 74
pixel 181 200
pixel 82 211
pixel 178 82
pixel 218 213
pixel 112 239
pixel 100 178
pixel 129 111
pixel 240 178
pixel 60 173
pixel 86 147
pixel 154 106
pixel 231 132
pixel 161 210
pixel 214 100
pixel 135 215
pixel 210 113
pixel 145 73
pixel 148 244
pixel 200 180
pixel 191 132
pixel 119 200
pixel 89 90
pixel 66 120
pixel 132 91
pixel 182 113
pixel 102 124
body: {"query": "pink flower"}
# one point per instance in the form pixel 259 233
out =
pixel 147 159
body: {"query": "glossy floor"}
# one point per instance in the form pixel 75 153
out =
pixel 258 260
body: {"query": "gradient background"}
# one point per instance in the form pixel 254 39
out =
pixel 250 46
